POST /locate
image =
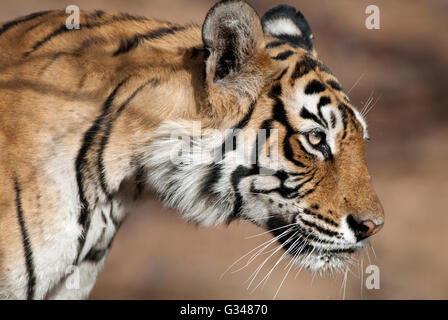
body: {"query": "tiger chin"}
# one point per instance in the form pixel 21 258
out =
pixel 95 118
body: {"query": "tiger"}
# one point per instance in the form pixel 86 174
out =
pixel 97 118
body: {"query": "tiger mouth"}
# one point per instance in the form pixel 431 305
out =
pixel 322 260
pixel 309 248
pixel 317 254
pixel 313 247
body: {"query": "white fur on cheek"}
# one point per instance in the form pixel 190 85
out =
pixel 362 121
pixel 347 232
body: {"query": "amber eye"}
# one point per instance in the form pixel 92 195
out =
pixel 316 137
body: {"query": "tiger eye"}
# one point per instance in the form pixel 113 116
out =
pixel 315 138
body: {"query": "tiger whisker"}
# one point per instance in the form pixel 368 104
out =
pixel 302 265
pixel 281 283
pixel 373 105
pixel 245 255
pixel 352 273
pixel 268 216
pixel 362 273
pixel 255 273
pixel 269 231
pixel 300 249
pixel 309 254
pixel 368 257
pixel 367 104
pixel 266 277
pixel 343 285
pixel 253 276
pixel 261 252
pixel 294 259
pixel 356 83
pixel 373 251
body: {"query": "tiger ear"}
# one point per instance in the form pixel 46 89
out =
pixel 234 38
pixel 290 26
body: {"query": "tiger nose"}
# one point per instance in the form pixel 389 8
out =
pixel 364 228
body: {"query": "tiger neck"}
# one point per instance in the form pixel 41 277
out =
pixel 171 99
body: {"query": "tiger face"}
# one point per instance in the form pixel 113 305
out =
pixel 317 200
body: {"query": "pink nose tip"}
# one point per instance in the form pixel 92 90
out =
pixel 363 229
pixel 372 227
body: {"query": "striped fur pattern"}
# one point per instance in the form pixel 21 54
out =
pixel 87 122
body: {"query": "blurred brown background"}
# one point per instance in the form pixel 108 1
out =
pixel 404 67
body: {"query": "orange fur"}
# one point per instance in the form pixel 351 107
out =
pixel 54 85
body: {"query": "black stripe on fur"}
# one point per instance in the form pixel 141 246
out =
pixel 81 167
pixel 16 22
pixel 63 29
pixel 26 242
pixel 129 44
pixel 106 135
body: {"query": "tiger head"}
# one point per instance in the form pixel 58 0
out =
pixel 294 162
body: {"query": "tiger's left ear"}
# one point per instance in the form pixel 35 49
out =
pixel 289 25
pixel 234 39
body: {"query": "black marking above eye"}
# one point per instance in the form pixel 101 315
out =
pixel 284 55
pixel 323 102
pixel 305 114
pixel 274 44
pixel 334 84
pixel 314 86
